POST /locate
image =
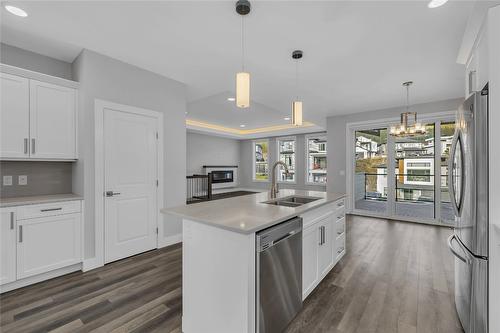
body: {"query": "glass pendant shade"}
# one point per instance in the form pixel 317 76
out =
pixel 243 89
pixel 297 113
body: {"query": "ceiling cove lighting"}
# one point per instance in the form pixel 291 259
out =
pixel 405 128
pixel 243 78
pixel 436 3
pixel 16 11
pixel 296 104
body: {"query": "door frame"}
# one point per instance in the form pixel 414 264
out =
pixel 100 106
pixel 352 127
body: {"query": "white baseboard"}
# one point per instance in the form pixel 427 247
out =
pixel 92 263
pixel 40 277
pixel 170 240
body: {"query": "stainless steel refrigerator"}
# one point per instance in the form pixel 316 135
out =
pixel 468 188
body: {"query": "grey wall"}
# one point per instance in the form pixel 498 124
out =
pixel 246 165
pixel 108 79
pixel 210 150
pixel 43 178
pixel 336 128
pixel 15 56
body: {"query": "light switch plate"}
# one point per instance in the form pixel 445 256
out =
pixel 23 180
pixel 7 180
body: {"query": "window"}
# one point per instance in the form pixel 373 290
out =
pixel 261 160
pixel 316 159
pixel 286 154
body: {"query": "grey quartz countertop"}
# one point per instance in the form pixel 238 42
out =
pixel 38 199
pixel 247 214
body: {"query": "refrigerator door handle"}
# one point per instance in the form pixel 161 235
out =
pixel 451 172
pixel 450 246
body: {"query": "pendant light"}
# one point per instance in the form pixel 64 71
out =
pixel 243 78
pixel 408 127
pixel 296 104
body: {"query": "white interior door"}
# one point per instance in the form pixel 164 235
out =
pixel 130 183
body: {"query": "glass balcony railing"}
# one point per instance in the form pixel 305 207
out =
pixel 414 195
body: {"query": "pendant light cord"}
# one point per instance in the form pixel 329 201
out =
pixel 297 79
pixel 242 44
pixel 407 98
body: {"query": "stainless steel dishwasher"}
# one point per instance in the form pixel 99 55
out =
pixel 278 276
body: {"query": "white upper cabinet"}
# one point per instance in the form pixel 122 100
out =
pixel 14 116
pixel 52 121
pixel 38 119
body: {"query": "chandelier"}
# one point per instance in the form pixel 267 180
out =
pixel 409 126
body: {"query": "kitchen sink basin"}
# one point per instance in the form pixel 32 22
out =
pixel 283 203
pixel 292 201
pixel 299 200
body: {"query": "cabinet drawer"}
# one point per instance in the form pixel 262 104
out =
pixel 49 209
pixel 339 246
pixel 340 204
pixel 340 228
pixel 314 216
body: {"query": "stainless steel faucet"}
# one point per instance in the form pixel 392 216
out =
pixel 274 185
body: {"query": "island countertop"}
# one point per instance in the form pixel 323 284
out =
pixel 248 214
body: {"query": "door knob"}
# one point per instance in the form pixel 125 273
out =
pixel 111 193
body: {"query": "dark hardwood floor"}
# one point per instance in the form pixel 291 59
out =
pixel 395 277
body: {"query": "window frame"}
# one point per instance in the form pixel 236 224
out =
pixel 306 157
pixel 287 138
pixel 254 142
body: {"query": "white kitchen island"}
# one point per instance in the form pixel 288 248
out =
pixel 219 254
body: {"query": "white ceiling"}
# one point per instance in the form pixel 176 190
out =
pixel 356 53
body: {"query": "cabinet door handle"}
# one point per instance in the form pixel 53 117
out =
pixel 324 234
pixel 11 220
pixel 50 209
pixel 20 234
pixel 340 232
pixel 25 146
pixel 33 150
pixel 320 229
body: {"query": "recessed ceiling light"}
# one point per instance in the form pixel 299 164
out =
pixel 287 118
pixel 231 99
pixel 242 125
pixel 436 3
pixel 16 11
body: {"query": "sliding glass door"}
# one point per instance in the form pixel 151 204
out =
pixel 370 178
pixel 402 177
pixel 414 175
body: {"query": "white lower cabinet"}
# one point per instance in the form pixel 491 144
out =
pixel 39 242
pixel 325 246
pixel 310 240
pixel 7 245
pixel 322 238
pixel 47 243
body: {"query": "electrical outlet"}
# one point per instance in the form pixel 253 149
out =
pixel 23 180
pixel 7 180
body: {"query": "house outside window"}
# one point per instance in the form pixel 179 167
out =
pixel 316 149
pixel 261 160
pixel 286 154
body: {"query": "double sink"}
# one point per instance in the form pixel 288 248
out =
pixel 291 201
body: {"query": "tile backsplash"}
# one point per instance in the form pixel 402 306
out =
pixel 42 178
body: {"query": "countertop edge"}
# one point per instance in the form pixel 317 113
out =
pixel 256 229
pixel 35 200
